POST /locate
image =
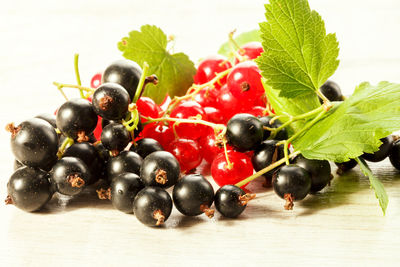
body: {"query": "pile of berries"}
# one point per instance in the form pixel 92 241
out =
pixel 141 149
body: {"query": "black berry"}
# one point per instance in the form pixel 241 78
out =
pixel 124 189
pixel 244 131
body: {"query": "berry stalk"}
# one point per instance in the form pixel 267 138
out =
pixel 78 76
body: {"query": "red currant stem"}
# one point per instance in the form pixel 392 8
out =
pixel 140 87
pixel 215 126
pixel 67 143
pixel 294 118
pixel 327 105
pixel 305 128
pixel 78 76
pixel 194 89
pixel 234 43
pixel 228 162
pixel 265 170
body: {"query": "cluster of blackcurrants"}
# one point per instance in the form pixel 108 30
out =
pixel 60 154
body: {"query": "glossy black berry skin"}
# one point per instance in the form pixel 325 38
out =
pixel 148 202
pixel 191 194
pixel 126 161
pixel 35 144
pixel 244 131
pixel 227 201
pixel 160 169
pixel 319 170
pixel 265 154
pixel 124 189
pixel 382 153
pixel 395 155
pixel 292 179
pixel 110 101
pixel 146 146
pixel 115 137
pixel 331 90
pixel 76 115
pixel 136 132
pixel 88 154
pixel 265 121
pixel 67 171
pixel 345 166
pixel 50 118
pixel 125 73
pixel 29 188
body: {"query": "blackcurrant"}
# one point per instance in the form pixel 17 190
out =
pixel 29 189
pixel 319 170
pixel 193 195
pixel 69 176
pixel 395 155
pixel 161 169
pixel 292 183
pixel 50 118
pixel 331 90
pixel 264 155
pixel 34 143
pixel 244 131
pixel 125 73
pixel 281 135
pixel 124 189
pixel 231 200
pixel 345 166
pixel 88 153
pixel 146 146
pixel 383 151
pixel 136 132
pixel 76 119
pixel 111 101
pixel 152 206
pixel 115 137
pixel 126 161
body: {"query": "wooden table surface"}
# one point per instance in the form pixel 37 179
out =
pixel 341 226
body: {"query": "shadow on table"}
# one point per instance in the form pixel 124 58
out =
pixel 87 198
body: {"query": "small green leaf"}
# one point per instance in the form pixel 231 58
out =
pixel 241 39
pixel 354 126
pixel 380 191
pixel 299 56
pixel 175 71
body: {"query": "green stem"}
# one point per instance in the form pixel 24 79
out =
pixel 197 89
pixel 265 170
pixel 64 85
pixel 141 82
pixel 305 128
pixel 285 152
pixel 78 76
pixel 67 142
pixel 327 104
pixel 134 118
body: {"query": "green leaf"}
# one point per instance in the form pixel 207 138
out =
pixel 299 56
pixel 380 191
pixel 291 106
pixel 354 126
pixel 241 39
pixel 175 71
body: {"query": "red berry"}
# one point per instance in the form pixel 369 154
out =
pixel 209 66
pixel 251 50
pixel 228 104
pixel 188 110
pixel 97 131
pixel 160 132
pixel 165 103
pixel 214 115
pixel 241 168
pixel 244 82
pixel 207 97
pixel 148 108
pixel 96 80
pixel 257 111
pixel 187 152
pixel 209 147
